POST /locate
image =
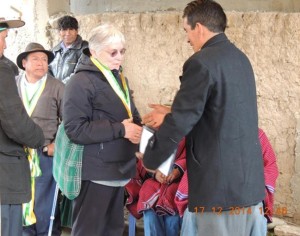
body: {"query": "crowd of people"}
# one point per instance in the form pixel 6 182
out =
pixel 223 160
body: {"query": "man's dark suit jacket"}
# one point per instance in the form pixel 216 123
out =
pixel 216 109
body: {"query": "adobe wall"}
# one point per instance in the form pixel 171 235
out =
pixel 156 49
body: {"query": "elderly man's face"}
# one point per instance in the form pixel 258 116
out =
pixel 3 35
pixel 36 65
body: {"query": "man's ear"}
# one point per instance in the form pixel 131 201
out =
pixel 24 63
pixel 199 27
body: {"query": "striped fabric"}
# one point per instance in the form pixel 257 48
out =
pixel 146 193
pixel 181 196
pixel 270 173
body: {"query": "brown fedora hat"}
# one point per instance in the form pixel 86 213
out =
pixel 33 47
pixel 8 24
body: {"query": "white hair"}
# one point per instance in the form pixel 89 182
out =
pixel 103 35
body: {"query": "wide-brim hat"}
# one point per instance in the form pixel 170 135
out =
pixel 9 24
pixel 33 47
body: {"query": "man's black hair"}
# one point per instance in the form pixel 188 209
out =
pixel 206 12
pixel 67 22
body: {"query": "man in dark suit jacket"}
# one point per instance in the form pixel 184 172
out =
pixel 216 109
pixel 16 131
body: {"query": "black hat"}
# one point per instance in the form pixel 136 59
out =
pixel 33 47
pixel 8 24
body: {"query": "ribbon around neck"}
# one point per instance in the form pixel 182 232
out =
pixel 125 98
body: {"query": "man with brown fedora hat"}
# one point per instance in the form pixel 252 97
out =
pixel 16 131
pixel 42 96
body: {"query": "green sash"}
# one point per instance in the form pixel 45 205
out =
pixel 29 104
pixel 125 98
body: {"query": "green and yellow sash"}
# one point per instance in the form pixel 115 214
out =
pixel 29 104
pixel 125 97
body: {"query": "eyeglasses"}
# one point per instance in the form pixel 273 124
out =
pixel 115 52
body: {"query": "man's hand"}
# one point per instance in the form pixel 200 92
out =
pixel 50 150
pixel 139 155
pixel 155 118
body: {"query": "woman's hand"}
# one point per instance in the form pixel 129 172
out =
pixel 133 132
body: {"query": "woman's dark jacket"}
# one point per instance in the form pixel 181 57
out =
pixel 16 131
pixel 92 114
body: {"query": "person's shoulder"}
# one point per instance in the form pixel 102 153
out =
pixel 195 60
pixel 56 47
pixel 79 82
pixel 5 69
pixel 53 81
pixel 4 65
pixel 80 43
pixel 85 44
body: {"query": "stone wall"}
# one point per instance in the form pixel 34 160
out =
pixel 157 48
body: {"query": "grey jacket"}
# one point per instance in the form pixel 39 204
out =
pixel 64 63
pixel 16 131
pixel 48 111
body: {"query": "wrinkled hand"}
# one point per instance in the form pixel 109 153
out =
pixel 155 118
pixel 173 176
pixel 133 132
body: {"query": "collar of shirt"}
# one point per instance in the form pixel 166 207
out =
pixel 31 88
pixel 64 48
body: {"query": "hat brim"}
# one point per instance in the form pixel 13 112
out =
pixel 9 24
pixel 23 55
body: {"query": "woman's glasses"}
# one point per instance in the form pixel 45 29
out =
pixel 115 52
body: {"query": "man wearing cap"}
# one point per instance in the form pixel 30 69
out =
pixel 16 131
pixel 42 97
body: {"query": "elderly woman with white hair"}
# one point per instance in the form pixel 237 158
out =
pixel 100 114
